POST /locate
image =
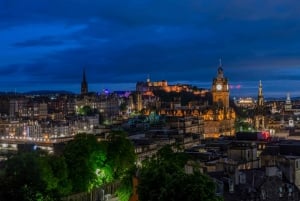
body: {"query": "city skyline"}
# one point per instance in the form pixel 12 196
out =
pixel 45 45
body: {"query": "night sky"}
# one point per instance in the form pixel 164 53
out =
pixel 46 44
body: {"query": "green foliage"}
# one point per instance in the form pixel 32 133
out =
pixel 92 163
pixel 84 156
pixel 86 111
pixel 32 177
pixel 59 169
pixel 122 159
pixel 126 186
pixel 103 171
pixel 163 178
pixel 242 125
pixel 85 164
pixel 121 152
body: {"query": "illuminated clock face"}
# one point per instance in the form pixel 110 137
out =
pixel 219 87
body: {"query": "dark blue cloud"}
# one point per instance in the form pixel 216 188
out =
pixel 43 41
pixel 48 43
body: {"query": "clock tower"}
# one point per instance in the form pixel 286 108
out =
pixel 220 89
pixel 219 118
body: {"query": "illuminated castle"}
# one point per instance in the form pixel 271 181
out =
pixel 147 86
pixel 217 118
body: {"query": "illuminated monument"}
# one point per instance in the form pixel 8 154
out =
pixel 219 118
pixel 220 89
pixel 260 120
pixel 210 108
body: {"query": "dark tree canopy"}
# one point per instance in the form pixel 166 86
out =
pixel 92 163
pixel 163 178
pixel 85 157
pixel 121 152
pixel 87 111
pixel 31 176
pixel 86 163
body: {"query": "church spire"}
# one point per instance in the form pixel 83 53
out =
pixel 84 85
pixel 259 116
pixel 220 69
pixel 288 103
pixel 288 99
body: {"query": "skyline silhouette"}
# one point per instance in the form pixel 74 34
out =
pixel 47 44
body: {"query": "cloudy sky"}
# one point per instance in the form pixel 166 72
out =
pixel 46 44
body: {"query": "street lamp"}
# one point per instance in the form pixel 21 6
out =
pixel 102 190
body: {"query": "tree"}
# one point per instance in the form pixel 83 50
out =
pixel 125 190
pixel 87 111
pixel 122 158
pixel 86 161
pixel 85 164
pixel 59 169
pixel 121 153
pixel 92 163
pixel 31 176
pixel 162 177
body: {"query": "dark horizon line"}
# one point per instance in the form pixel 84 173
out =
pixel 49 92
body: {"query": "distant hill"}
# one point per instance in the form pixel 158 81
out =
pixel 47 92
pixel 38 92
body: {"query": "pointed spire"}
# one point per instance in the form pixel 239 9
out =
pixel 288 99
pixel 220 69
pixel 260 94
pixel 84 85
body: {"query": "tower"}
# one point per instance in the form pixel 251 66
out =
pixel 220 118
pixel 260 97
pixel 139 101
pixel 288 103
pixel 220 89
pixel 259 116
pixel 84 85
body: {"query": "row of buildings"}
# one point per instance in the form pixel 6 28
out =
pixel 244 169
pixel 212 109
